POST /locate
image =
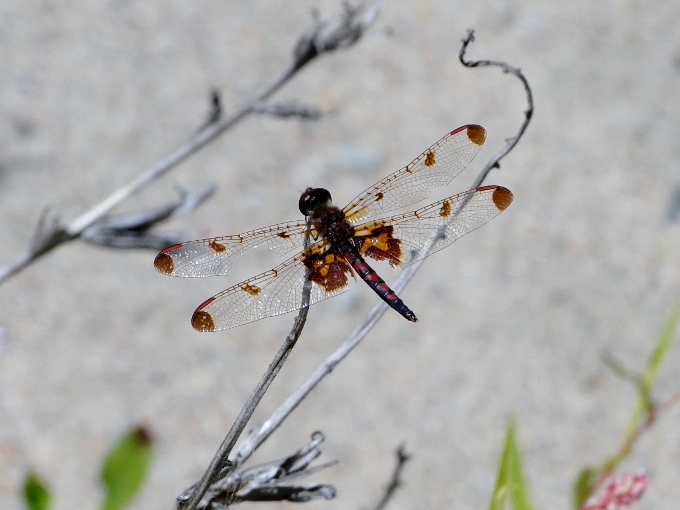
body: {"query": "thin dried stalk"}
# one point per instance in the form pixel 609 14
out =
pixel 246 448
pixel 324 37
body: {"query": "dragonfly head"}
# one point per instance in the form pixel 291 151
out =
pixel 312 199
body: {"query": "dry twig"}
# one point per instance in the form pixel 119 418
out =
pixel 221 466
pixel 528 113
pixel 256 437
pixel 133 230
pixel 395 481
pixel 324 37
pixel 285 110
pixel 272 481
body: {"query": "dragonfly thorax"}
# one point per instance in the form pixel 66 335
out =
pixel 330 222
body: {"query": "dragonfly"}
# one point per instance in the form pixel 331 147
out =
pixel 340 240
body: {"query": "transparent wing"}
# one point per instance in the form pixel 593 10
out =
pixel 407 238
pixel 276 291
pixel 214 256
pixel 434 167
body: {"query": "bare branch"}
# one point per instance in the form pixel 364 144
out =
pixel 317 41
pixel 220 463
pixel 215 108
pixel 48 233
pixel 132 230
pixel 296 493
pixel 324 37
pixel 331 34
pixel 529 112
pixel 273 481
pixel 256 437
pixel 192 201
pixel 285 110
pixel 395 481
pixel 221 466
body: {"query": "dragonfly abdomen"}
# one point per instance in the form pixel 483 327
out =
pixel 368 274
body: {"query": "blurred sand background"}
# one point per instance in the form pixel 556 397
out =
pixel 513 317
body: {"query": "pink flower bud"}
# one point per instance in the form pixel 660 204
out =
pixel 620 492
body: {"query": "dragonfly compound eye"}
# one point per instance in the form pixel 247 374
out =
pixel 312 198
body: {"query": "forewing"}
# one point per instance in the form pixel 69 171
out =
pixel 410 237
pixel 434 167
pixel 275 292
pixel 214 256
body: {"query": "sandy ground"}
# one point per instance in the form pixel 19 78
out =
pixel 513 318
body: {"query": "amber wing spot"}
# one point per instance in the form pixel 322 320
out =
pixel 283 235
pixel 216 246
pixel 379 196
pixel 164 263
pixel 502 198
pixel 382 245
pixel 253 290
pixel 429 157
pixel 327 270
pixel 477 134
pixel 202 321
pixel 445 210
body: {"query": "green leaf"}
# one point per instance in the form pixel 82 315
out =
pixel 125 467
pixel 500 492
pixel 583 487
pixel 511 485
pixel 662 346
pixel 36 495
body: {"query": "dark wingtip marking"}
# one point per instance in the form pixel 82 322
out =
pixel 476 134
pixel 502 198
pixel 163 263
pixel 202 321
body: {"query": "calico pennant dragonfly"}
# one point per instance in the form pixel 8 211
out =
pixel 341 241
